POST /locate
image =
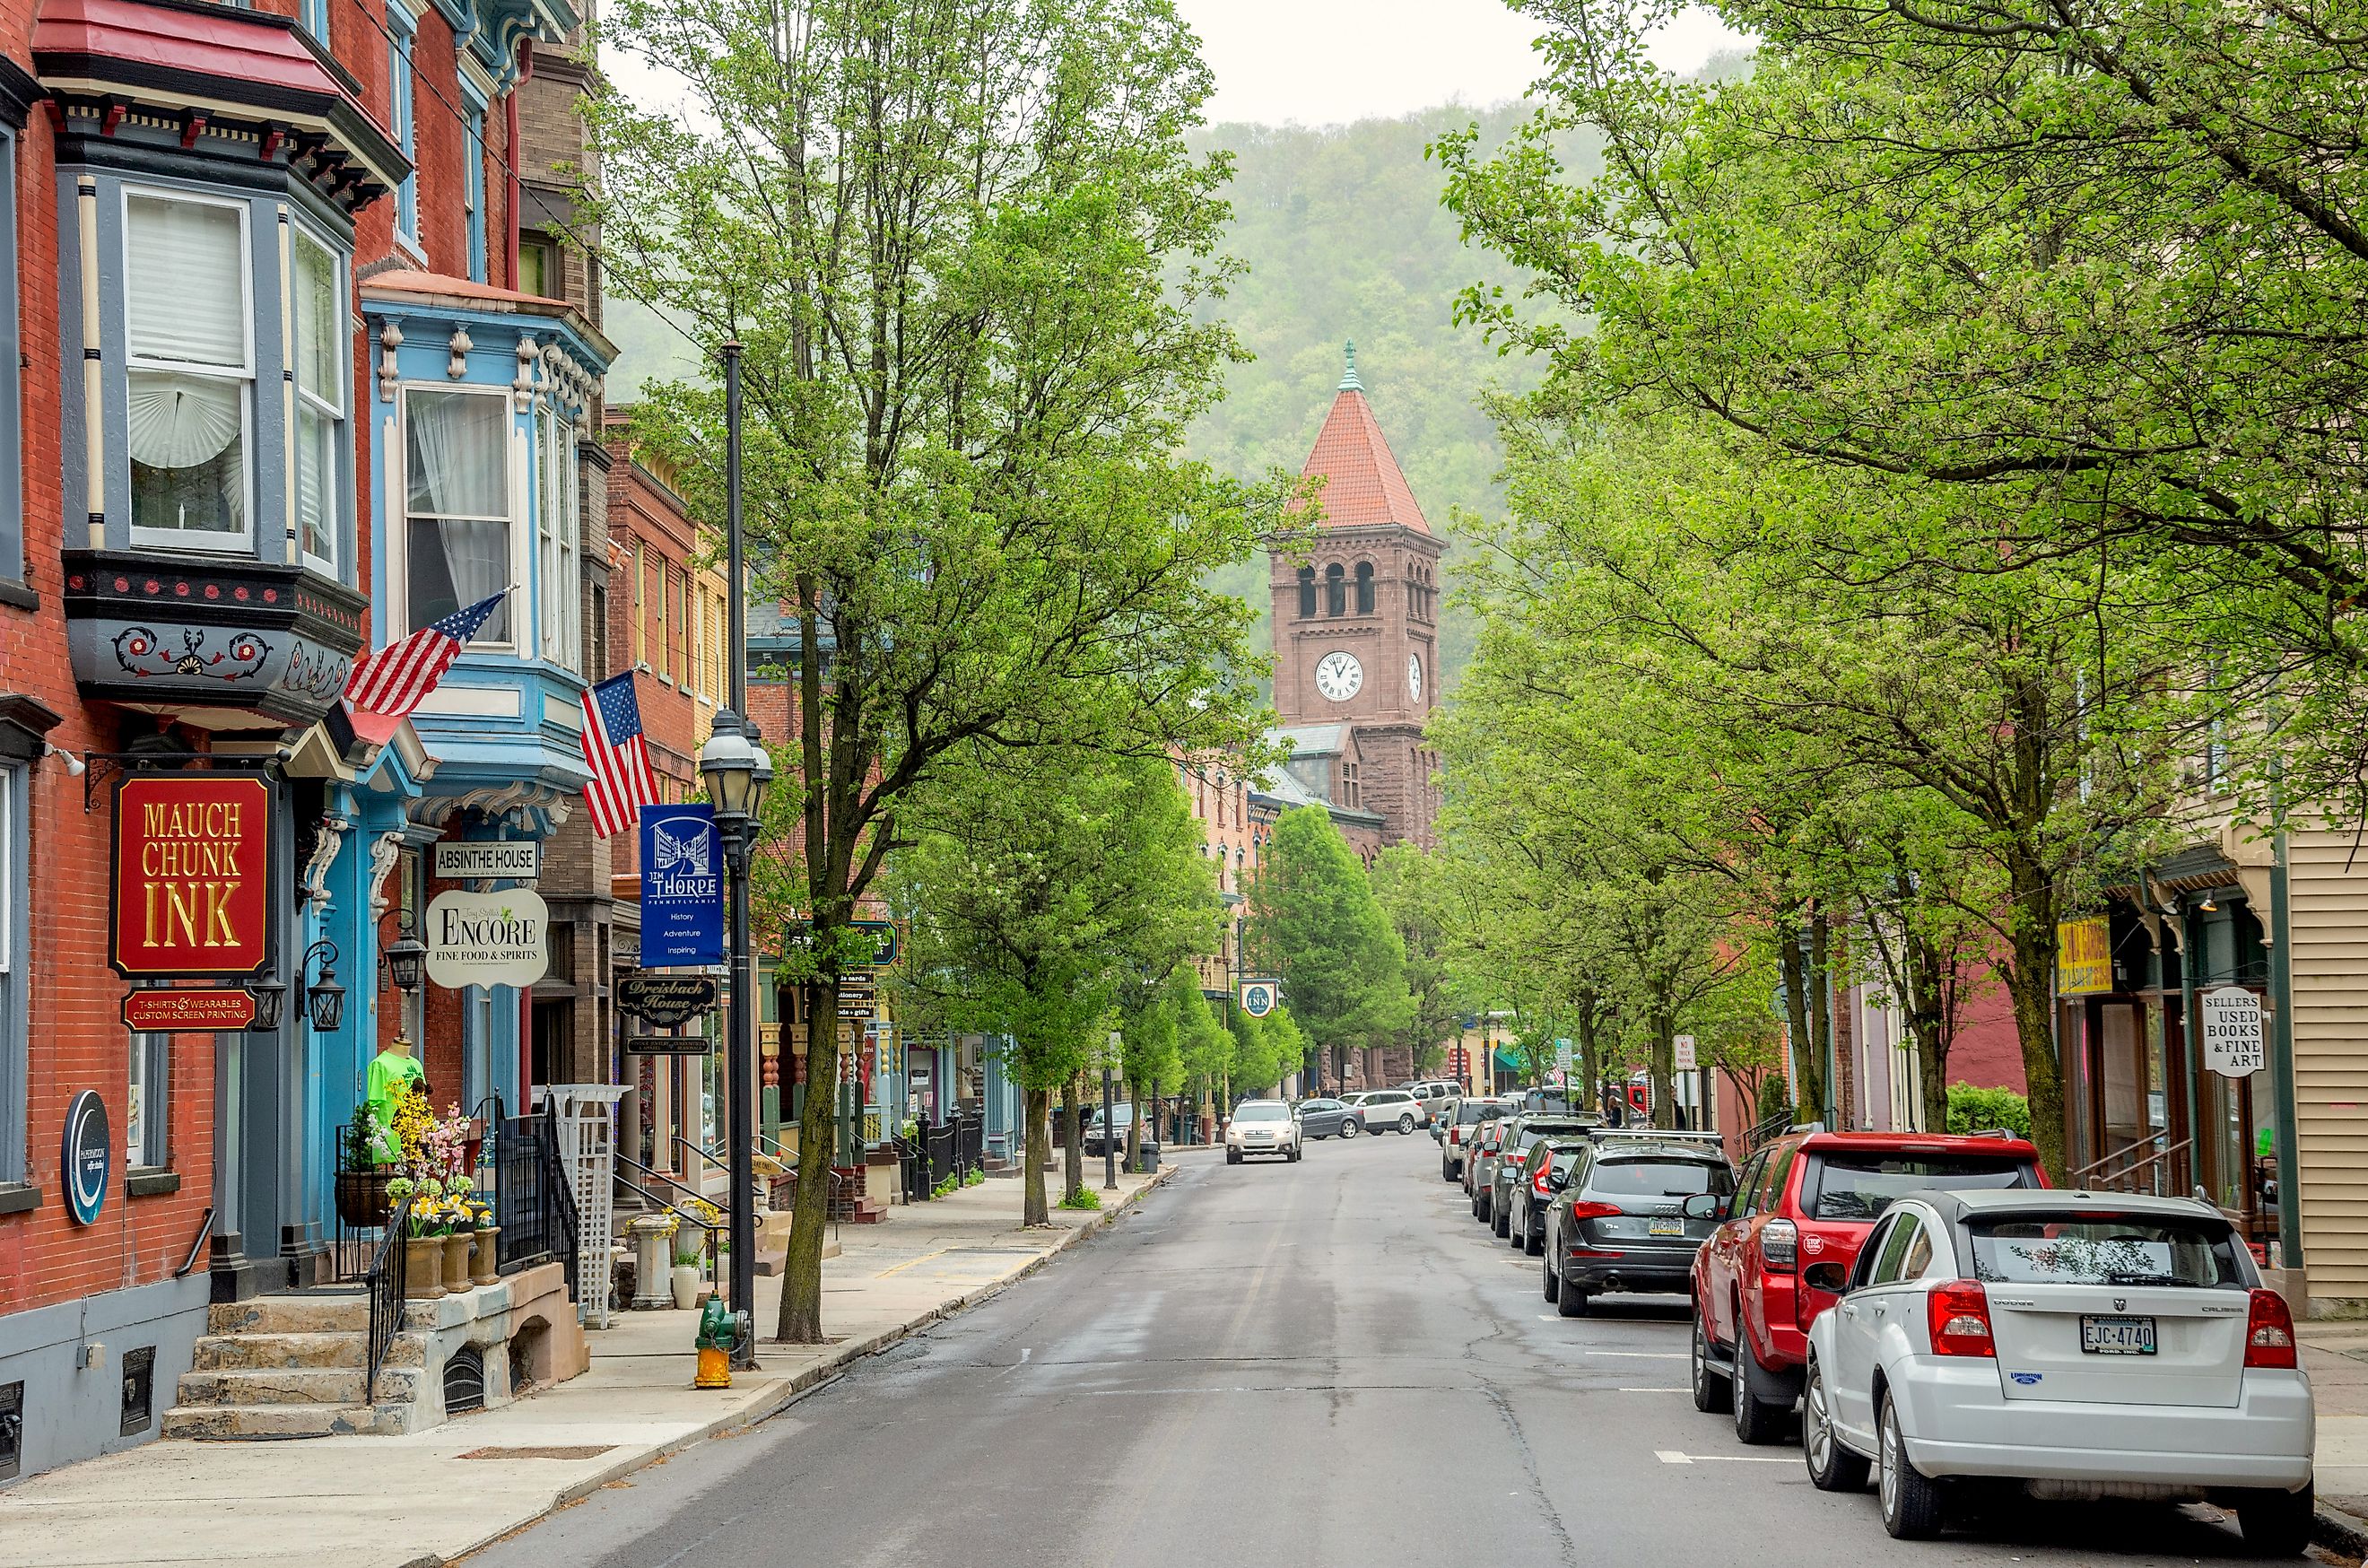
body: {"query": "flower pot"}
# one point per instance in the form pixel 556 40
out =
pixel 423 1268
pixel 686 1285
pixel 457 1248
pixel 482 1271
pixel 362 1202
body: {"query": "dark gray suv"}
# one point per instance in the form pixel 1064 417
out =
pixel 1619 1221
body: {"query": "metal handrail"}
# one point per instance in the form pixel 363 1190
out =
pixel 197 1244
pixel 385 1284
pixel 1765 1130
pixel 2127 1149
pixel 2079 1177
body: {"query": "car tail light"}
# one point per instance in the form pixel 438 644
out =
pixel 1538 1182
pixel 1959 1316
pixel 1596 1211
pixel 1779 1244
pixel 2269 1331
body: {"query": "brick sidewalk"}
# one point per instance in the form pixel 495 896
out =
pixel 434 1495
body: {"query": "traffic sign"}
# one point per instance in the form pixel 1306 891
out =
pixel 1685 1053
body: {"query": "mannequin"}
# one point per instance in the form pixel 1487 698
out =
pixel 394 1076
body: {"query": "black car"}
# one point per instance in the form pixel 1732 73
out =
pixel 1540 1176
pixel 1519 1138
pixel 1326 1118
pixel 1619 1221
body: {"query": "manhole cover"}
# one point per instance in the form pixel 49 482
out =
pixel 545 1453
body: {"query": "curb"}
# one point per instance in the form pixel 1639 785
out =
pixel 2342 1531
pixel 788 1392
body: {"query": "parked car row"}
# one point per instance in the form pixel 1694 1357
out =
pixel 1944 1321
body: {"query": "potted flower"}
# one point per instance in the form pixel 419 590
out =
pixel 685 1277
pixel 423 1239
pixel 460 1233
pixel 363 1182
pixel 487 1233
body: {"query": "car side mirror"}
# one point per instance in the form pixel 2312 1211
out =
pixel 1704 1206
pixel 1830 1277
pixel 1558 1180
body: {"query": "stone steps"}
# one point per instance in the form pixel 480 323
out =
pixel 281 1352
pixel 293 1385
pixel 327 1312
pixel 221 1423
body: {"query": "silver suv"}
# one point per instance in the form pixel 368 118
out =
pixel 1382 1110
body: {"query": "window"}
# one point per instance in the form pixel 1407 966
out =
pixel 600 670
pixel 1336 590
pixel 2104 1249
pixel 12 522
pixel 1364 587
pixel 641 604
pixel 314 15
pixel 558 536
pixel 1661 1178
pixel 191 369
pixel 1859 1186
pixel 1307 592
pixel 401 29
pixel 147 1113
pixel 456 448
pixel 1890 1263
pixel 14 901
pixel 1746 1188
pixel 537 267
pixel 472 196
pixel 319 400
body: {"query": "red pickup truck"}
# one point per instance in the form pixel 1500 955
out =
pixel 1809 1196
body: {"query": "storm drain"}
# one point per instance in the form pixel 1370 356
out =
pixel 464 1381
pixel 555 1452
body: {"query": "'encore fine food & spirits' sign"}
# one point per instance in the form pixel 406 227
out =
pixel 191 884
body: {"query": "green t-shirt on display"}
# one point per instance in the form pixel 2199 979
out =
pixel 392 1080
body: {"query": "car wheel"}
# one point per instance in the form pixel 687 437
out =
pixel 1480 1206
pixel 1911 1501
pixel 1233 1156
pixel 1832 1467
pixel 1711 1391
pixel 1534 1236
pixel 1553 1280
pixel 1570 1301
pixel 2277 1524
pixel 1350 1127
pixel 1501 1219
pixel 1406 1124
pixel 1757 1421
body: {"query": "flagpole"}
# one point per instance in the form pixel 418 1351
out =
pixel 740 1056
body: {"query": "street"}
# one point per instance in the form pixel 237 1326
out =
pixel 1322 1363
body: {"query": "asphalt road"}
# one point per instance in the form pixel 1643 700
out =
pixel 1327 1363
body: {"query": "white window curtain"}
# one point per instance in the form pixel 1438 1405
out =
pixel 186 308
pixel 319 400
pixel 457 446
pixel 561 549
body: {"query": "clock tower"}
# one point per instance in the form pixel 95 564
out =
pixel 1356 627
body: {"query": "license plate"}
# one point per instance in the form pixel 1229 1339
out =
pixel 1666 1228
pixel 2117 1336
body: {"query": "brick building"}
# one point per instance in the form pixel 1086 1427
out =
pixel 282 366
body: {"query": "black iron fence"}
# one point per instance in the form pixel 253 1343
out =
pixel 934 1157
pixel 533 1203
pixel 384 1281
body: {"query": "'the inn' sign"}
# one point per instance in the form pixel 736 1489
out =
pixel 191 881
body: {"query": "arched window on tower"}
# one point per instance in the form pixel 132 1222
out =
pixel 1307 592
pixel 1336 590
pixel 1364 587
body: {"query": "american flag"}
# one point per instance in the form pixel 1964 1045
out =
pixel 618 755
pixel 390 683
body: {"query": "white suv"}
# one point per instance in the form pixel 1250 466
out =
pixel 1261 1127
pixel 1383 1109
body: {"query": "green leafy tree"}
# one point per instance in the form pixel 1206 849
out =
pixel 1409 884
pixel 1314 921
pixel 967 251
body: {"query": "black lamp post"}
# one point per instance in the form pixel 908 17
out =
pixel 325 999
pixel 270 995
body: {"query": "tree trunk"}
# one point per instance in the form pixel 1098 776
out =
pixel 1134 1124
pixel 1808 1068
pixel 2030 984
pixel 1034 1208
pixel 1590 1054
pixel 801 1316
pixel 1821 1016
pixel 1072 1133
pixel 1663 1067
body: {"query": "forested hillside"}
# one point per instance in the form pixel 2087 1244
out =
pixel 1344 238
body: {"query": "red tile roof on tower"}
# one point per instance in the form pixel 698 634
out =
pixel 1365 487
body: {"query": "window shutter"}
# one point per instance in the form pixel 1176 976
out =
pixel 186 290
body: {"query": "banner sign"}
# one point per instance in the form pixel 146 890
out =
pixel 172 1012
pixel 191 877
pixel 2234 1043
pixel 665 1001
pixel 1259 996
pixel 87 1156
pixel 516 860
pixel 682 886
pixel 487 939
pixel 2084 957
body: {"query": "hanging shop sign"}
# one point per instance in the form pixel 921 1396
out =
pixel 665 1001
pixel 87 1157
pixel 2235 1044
pixel 1259 996
pixel 666 1045
pixel 487 939
pixel 682 886
pixel 800 938
pixel 2084 956
pixel 498 860
pixel 173 1012
pixel 191 877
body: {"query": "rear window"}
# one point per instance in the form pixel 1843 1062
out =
pixel 1661 1178
pixel 1850 1185
pixel 1471 1111
pixel 2102 1249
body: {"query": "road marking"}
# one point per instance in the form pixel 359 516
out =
pixel 1670 1456
pixel 1657 1391
pixel 910 1261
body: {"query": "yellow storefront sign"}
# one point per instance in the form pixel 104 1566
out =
pixel 2084 957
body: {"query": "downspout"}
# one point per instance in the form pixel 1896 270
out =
pixel 510 162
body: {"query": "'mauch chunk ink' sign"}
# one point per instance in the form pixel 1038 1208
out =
pixel 192 862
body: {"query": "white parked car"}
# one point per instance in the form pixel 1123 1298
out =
pixel 1262 1126
pixel 2085 1343
pixel 1388 1111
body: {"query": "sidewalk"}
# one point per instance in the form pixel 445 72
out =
pixel 2335 1353
pixel 416 1501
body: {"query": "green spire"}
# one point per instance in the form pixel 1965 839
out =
pixel 1348 382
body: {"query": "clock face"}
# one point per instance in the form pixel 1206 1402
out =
pixel 1414 675
pixel 1339 675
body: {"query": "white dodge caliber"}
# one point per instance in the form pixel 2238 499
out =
pixel 2086 1344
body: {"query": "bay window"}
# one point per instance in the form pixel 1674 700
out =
pixel 559 530
pixel 457 548
pixel 319 433
pixel 191 357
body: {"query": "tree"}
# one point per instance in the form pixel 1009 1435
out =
pixel 1410 887
pixel 1313 921
pixel 963 246
pixel 1034 894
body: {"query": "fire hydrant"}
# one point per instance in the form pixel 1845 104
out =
pixel 719 1334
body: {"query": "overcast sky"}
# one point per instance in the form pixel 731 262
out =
pixel 1327 62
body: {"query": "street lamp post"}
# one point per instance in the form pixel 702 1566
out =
pixel 1110 1127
